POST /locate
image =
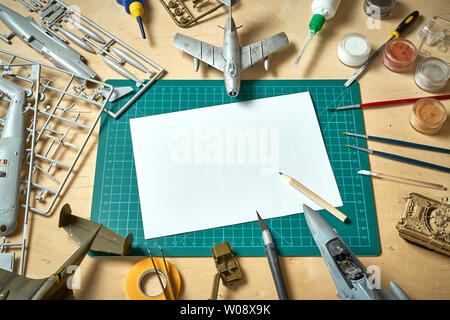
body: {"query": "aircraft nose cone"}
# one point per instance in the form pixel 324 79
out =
pixel 315 222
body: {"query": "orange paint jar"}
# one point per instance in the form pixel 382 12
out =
pixel 399 55
pixel 428 116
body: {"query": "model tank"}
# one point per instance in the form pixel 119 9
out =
pixel 426 222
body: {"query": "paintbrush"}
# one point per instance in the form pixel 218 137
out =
pixel 402 180
pixel 387 103
pixel 398 142
pixel 403 159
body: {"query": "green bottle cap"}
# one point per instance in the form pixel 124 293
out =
pixel 316 23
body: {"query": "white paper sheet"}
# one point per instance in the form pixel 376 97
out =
pixel 215 166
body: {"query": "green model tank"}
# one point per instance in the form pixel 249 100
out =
pixel 426 222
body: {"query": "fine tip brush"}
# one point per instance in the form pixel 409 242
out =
pixel 398 142
pixel 402 159
pixel 402 180
pixel 387 103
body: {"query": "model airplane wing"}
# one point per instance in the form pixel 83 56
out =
pixel 262 49
pixel 15 287
pixel 203 51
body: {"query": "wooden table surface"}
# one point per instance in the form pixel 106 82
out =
pixel 422 273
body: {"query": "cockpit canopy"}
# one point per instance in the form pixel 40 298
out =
pixel 232 69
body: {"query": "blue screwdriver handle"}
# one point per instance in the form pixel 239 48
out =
pixel 126 4
pixel 409 144
pixel 412 161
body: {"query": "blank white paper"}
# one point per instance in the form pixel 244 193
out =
pixel 216 166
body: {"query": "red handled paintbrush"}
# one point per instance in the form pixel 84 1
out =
pixel 387 103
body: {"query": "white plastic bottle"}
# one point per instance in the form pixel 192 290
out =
pixel 322 10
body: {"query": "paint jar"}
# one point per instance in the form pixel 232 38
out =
pixel 378 9
pixel 399 55
pixel 428 115
pixel 432 74
pixel 354 49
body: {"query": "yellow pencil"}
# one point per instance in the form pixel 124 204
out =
pixel 314 197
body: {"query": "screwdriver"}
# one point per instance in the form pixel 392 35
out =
pixel 394 34
pixel 136 9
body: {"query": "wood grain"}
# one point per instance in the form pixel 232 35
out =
pixel 422 273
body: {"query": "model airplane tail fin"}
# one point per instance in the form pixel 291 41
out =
pixel 106 240
pixel 230 2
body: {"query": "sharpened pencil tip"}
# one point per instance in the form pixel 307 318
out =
pixel 281 173
pixel 332 109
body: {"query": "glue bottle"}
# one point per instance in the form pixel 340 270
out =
pixel 322 10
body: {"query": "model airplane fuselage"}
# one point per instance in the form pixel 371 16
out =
pixel 45 43
pixel 11 151
pixel 231 59
pixel 349 275
pixel 231 51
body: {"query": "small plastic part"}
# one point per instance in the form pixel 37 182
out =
pixel 432 74
pixel 378 9
pixel 183 16
pixel 7 261
pixel 354 49
pixel 399 55
pixel 429 31
pixel 434 32
pixel 428 116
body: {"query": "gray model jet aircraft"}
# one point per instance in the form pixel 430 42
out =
pixel 349 275
pixel 231 59
pixel 45 42
pixel 11 151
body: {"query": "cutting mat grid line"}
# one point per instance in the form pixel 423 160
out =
pixel 116 198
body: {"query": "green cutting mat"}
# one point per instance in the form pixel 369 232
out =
pixel 116 199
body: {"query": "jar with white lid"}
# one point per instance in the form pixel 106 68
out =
pixel 354 49
pixel 432 74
